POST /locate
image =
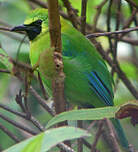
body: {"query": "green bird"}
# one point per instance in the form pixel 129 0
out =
pixel 88 82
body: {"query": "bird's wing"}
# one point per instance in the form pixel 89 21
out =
pixel 92 66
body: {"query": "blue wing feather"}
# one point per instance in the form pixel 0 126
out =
pixel 100 88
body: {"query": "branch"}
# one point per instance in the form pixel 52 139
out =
pixel 98 8
pixel 89 36
pixel 129 40
pixel 116 29
pixel 108 23
pixel 112 136
pixel 23 115
pixel 45 94
pixel 10 134
pixel 130 19
pixel 41 101
pixel 55 37
pixel 83 15
pixel 79 141
pixel 18 125
pixel 97 136
pixel 71 13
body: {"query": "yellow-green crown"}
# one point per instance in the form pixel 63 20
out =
pixel 41 14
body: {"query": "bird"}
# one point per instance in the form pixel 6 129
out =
pixel 88 82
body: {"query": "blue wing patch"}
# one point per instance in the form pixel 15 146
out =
pixel 100 88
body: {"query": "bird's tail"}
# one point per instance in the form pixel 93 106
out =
pixel 120 133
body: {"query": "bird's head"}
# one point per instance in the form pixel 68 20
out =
pixel 35 23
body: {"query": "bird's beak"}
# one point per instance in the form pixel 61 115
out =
pixel 20 28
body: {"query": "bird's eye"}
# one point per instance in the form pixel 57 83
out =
pixel 36 23
pixel 39 22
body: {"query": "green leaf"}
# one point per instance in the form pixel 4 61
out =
pixel 5 60
pixel 84 114
pixel 45 141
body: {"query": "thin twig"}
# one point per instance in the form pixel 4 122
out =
pixel 98 8
pixel 79 141
pixel 89 36
pixel 86 143
pixel 117 80
pixel 108 22
pixel 129 40
pixel 18 125
pixel 42 87
pixel 117 28
pixel 23 115
pixel 97 136
pixel 130 19
pixel 71 14
pixel 115 44
pixel 10 134
pixel 135 16
pixel 128 23
pixel 112 137
pixel 91 125
pixel 42 102
pixel 83 15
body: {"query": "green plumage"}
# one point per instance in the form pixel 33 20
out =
pixel 88 82
pixel 79 57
